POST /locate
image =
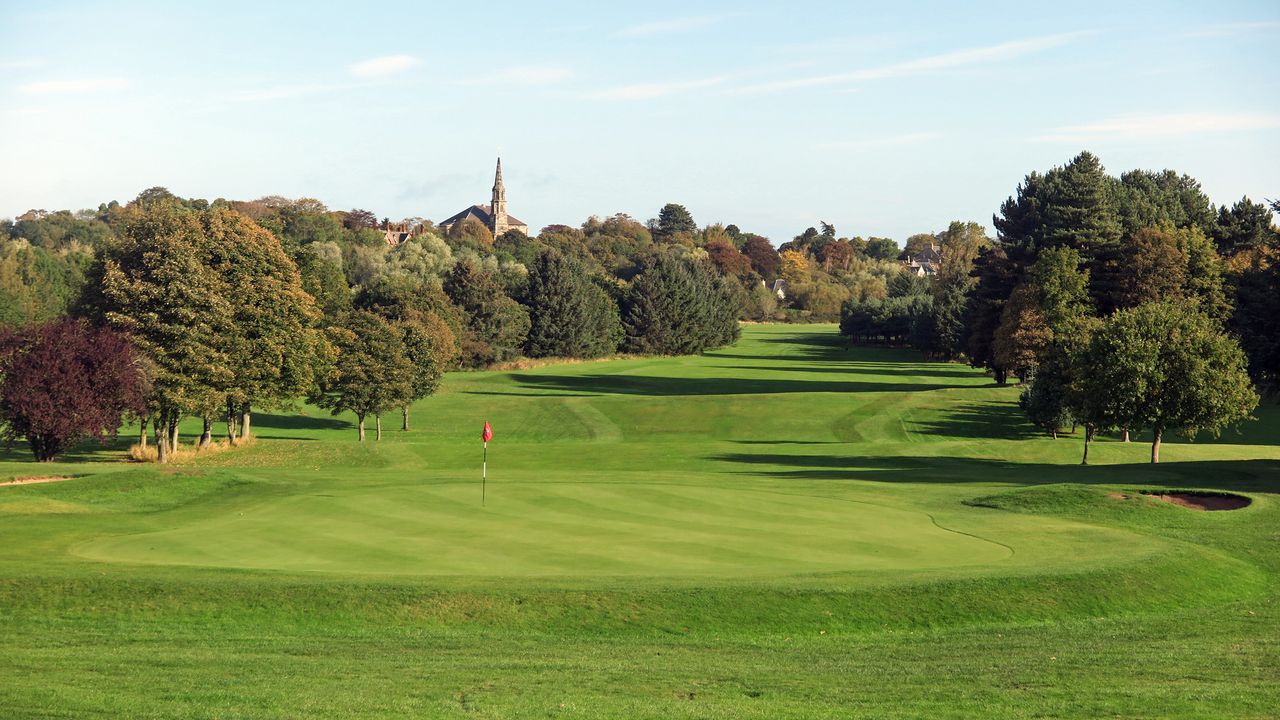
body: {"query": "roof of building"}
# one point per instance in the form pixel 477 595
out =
pixel 482 213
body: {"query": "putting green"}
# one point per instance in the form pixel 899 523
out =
pixel 558 529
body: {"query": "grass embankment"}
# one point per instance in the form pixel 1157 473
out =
pixel 779 529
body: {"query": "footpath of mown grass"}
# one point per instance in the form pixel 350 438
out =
pixel 784 528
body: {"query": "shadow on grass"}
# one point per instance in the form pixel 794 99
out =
pixel 589 385
pixel 297 422
pixel 990 420
pixel 1243 475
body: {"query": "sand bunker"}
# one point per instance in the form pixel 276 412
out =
pixel 1202 500
pixel 34 480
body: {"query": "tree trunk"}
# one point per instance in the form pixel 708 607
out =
pixel 1155 444
pixel 246 419
pixel 231 423
pixel 162 439
pixel 377 423
pixel 206 437
pixel 1053 434
pixel 1001 375
pixel 404 410
pixel 360 424
pixel 1088 435
pixel 142 435
pixel 1124 435
pixel 173 432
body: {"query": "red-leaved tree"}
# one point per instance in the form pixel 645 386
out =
pixel 64 381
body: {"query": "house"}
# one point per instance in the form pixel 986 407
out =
pixel 926 263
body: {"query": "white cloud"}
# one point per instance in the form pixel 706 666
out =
pixel 1138 127
pixel 649 91
pixel 526 75
pixel 1229 29
pixel 881 142
pixel 383 66
pixel 932 63
pixel 666 27
pixel 73 87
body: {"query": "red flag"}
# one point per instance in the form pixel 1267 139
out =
pixel 487 435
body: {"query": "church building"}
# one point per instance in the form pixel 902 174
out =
pixel 493 216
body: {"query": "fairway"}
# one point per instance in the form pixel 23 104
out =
pixel 782 528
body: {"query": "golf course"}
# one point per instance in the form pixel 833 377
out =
pixel 784 528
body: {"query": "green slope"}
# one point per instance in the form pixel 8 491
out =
pixel 784 528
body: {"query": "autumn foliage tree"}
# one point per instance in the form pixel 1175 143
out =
pixel 64 381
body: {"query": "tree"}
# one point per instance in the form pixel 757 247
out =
pixel 678 307
pixel 371 373
pixel 272 339
pixel 1023 334
pixel 1062 287
pixel 1256 320
pixel 1166 366
pixel 357 219
pixel 429 347
pixel 1044 402
pixel 764 258
pixel 727 259
pixel 879 248
pixel 997 276
pixel 1155 269
pixel 64 381
pixel 569 315
pixel 672 219
pixel 1246 225
pixel 917 244
pixel 496 325
pixel 156 282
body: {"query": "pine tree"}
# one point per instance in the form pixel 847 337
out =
pixel 569 315
pixel 678 307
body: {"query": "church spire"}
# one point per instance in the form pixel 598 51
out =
pixel 499 207
pixel 499 192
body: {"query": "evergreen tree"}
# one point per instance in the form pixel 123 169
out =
pixel 678 307
pixel 569 315
pixel 496 326
pixel 997 276
pixel 1245 226
pixel 673 219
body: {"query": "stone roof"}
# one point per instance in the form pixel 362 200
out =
pixel 482 213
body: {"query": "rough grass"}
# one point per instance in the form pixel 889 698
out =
pixel 784 528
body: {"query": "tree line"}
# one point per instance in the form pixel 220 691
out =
pixel 1120 303
pixel 216 309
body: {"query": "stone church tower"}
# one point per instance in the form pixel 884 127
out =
pixel 493 216
pixel 498 208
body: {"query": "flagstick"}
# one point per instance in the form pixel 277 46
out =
pixel 484 471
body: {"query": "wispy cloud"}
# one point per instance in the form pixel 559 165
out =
pixel 932 63
pixel 383 66
pixel 1137 127
pixel 914 138
pixel 666 27
pixel 649 91
pixel 73 87
pixel 1230 29
pixel 524 75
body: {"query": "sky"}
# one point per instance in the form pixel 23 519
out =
pixel 883 119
